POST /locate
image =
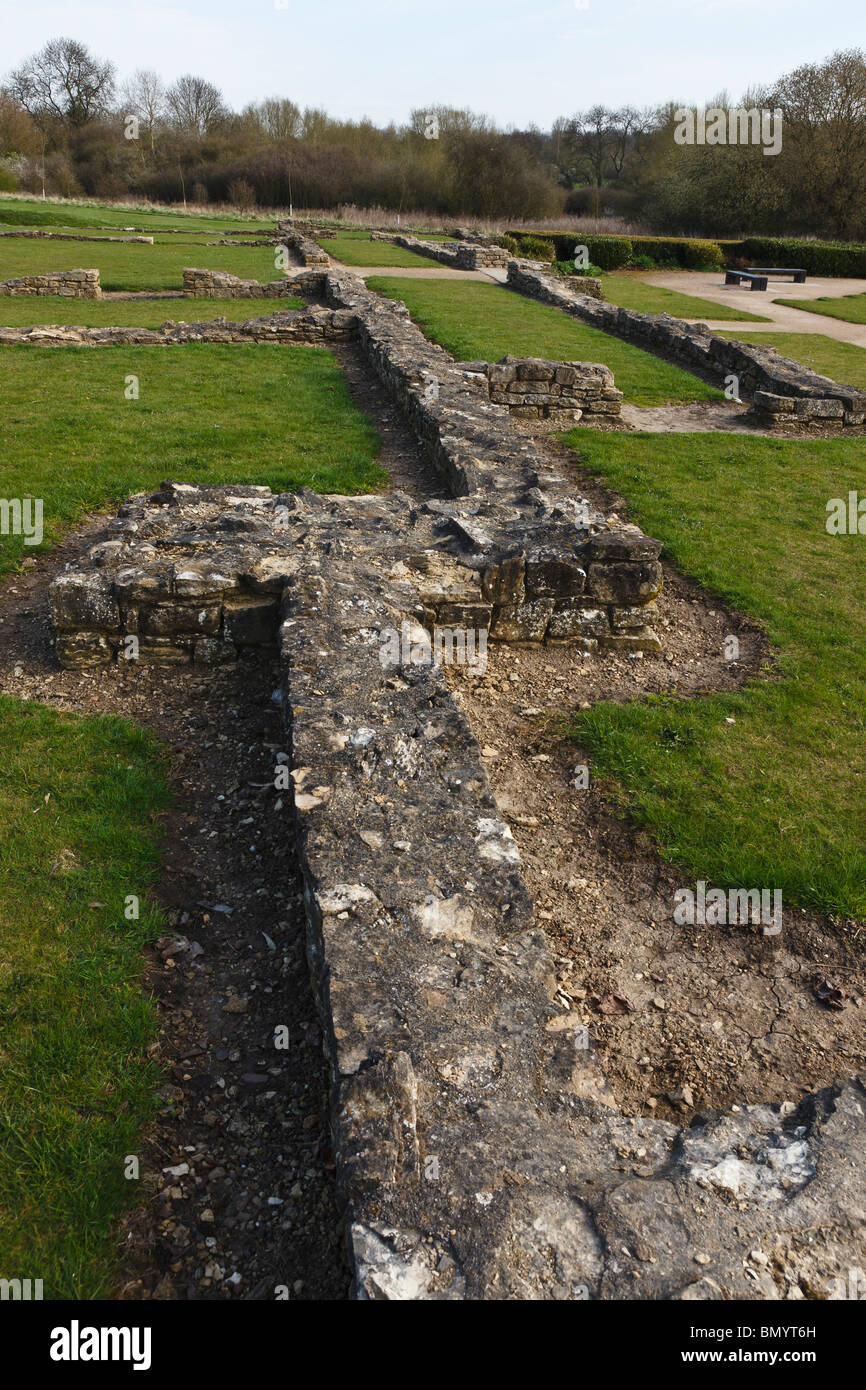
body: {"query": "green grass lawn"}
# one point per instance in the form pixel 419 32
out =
pixel 78 836
pixel 360 250
pixel 630 293
pixel 850 307
pixel 135 266
pixel 844 362
pixel 275 415
pixel 32 212
pixel 775 798
pixel 132 313
pixel 473 320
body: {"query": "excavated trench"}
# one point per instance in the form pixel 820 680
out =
pixel 683 1019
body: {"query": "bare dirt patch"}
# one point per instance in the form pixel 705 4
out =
pixel 684 1018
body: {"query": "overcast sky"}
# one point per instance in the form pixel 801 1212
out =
pixel 517 61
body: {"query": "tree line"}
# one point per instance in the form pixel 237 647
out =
pixel 68 126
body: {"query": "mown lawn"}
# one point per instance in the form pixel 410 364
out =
pixel 135 265
pixel 631 293
pixel 850 307
pixel 473 320
pixel 275 415
pixel 79 799
pixel 22 311
pixel 32 212
pixel 844 362
pixel 774 798
pixel 360 250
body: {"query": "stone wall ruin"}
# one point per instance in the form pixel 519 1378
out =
pixel 783 392
pixel 70 284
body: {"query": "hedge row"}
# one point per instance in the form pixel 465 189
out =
pixel 818 257
pixel 613 252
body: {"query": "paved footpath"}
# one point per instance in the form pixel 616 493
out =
pixel 421 272
pixel 783 319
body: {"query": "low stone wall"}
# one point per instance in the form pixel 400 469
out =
pixel 219 284
pixel 293 326
pixel 310 252
pixel 533 388
pixel 457 255
pixel 74 236
pixel 479 1153
pixel 783 392
pixel 71 284
pixel 478 454
pixel 519 572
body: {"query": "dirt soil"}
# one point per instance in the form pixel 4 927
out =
pixel 257 1209
pixel 718 1016
pixel 684 1018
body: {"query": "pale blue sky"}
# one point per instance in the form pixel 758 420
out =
pixel 517 61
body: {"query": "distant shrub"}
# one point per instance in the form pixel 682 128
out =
pixel 535 248
pixel 509 243
pixel 8 181
pixel 569 268
pixel 242 195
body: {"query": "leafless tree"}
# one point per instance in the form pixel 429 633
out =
pixel 64 81
pixel 143 95
pixel 196 105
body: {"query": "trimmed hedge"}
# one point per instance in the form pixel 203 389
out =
pixel 615 252
pixel 689 252
pixel 817 257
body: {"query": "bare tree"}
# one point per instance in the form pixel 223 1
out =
pixel 143 96
pixel 64 80
pixel 277 118
pixel 196 105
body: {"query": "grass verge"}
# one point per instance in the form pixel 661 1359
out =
pixel 275 415
pixel 850 307
pixel 473 320
pixel 844 362
pixel 630 293
pixel 134 313
pixel 765 787
pixel 355 250
pixel 136 266
pixel 78 835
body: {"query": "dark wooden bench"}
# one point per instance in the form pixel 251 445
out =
pixel 755 280
pixel 799 276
